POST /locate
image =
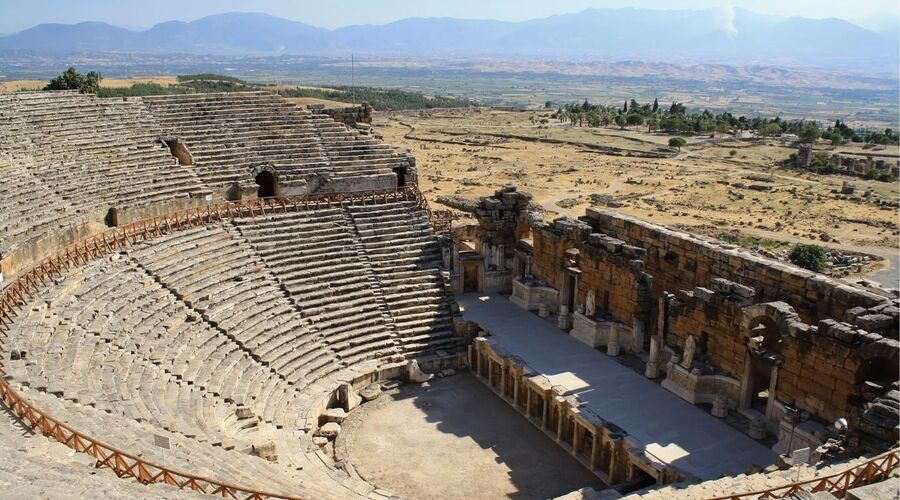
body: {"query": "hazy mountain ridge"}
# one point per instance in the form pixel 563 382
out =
pixel 657 35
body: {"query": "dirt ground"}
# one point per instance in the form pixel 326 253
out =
pixel 719 186
pixel 454 439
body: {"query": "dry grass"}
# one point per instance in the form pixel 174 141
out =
pixel 696 188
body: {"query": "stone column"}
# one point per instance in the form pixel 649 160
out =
pixel 773 392
pixel 612 346
pixel 490 368
pixel 652 370
pixel 613 461
pixel 595 448
pixel 637 328
pixel 576 438
pixel 480 368
pixel 562 320
pixel 503 375
pixel 747 382
pixel 546 416
pixel 527 401
pixel 561 420
pixel 516 384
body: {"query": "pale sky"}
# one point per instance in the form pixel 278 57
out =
pixel 16 15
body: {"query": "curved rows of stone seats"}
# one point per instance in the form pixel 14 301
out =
pixel 406 261
pixel 215 272
pixel 37 467
pixel 20 222
pixel 230 134
pixel 321 263
pixel 114 352
pixel 88 155
pixel 101 151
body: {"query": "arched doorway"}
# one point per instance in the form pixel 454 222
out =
pixel 766 327
pixel 764 360
pixel 266 182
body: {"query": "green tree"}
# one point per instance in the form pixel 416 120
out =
pixel 620 121
pixel 771 129
pixel 655 105
pixel 812 257
pixel 548 105
pixel 71 79
pixel 634 119
pixel 808 134
pixel 677 142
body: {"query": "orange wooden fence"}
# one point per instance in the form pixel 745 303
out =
pixel 874 470
pixel 16 293
pixel 126 465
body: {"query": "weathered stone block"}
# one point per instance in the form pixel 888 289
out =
pixel 875 322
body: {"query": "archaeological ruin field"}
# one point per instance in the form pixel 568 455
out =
pixel 267 291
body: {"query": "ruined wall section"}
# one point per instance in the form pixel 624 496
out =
pixel 680 261
pixel 349 115
pixel 614 271
pixel 552 241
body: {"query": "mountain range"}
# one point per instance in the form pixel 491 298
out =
pixel 713 36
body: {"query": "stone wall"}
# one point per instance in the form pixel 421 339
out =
pixel 727 325
pixel 350 115
pixel 680 261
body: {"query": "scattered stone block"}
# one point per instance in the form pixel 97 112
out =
pixel 334 415
pixel 330 430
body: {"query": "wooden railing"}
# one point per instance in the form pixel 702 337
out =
pixel 872 471
pixel 441 220
pixel 123 464
pixel 13 296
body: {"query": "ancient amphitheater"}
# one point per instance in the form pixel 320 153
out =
pixel 212 293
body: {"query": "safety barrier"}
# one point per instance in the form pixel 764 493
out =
pixel 124 464
pixel 871 471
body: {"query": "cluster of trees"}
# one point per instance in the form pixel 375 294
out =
pixel 840 133
pixel 71 79
pixel 676 119
pixel 187 84
pixel 384 99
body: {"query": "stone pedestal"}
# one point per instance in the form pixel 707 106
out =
pixel 564 320
pixel 612 348
pixel 720 407
pixel 588 331
pixel 543 310
pixel 530 296
pixel 637 333
pixel 757 428
pixel 793 436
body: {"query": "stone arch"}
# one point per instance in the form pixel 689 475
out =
pixel 765 327
pixel 880 362
pixel 267 180
pixel 772 320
